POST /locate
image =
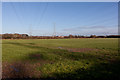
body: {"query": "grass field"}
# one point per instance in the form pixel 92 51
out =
pixel 84 59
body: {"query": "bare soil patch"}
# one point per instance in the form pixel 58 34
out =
pixel 81 49
pixel 20 70
pixel 36 57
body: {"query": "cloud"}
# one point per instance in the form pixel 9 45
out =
pixel 86 27
pixel 99 30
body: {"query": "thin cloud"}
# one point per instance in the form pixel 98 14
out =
pixel 86 27
pixel 98 30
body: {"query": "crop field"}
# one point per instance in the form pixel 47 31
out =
pixel 61 59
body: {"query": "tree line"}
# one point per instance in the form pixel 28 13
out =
pixel 26 36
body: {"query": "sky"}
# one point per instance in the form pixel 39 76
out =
pixel 60 18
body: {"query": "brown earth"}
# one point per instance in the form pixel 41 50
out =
pixel 81 49
pixel 24 69
pixel 20 70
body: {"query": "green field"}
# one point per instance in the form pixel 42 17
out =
pixel 84 59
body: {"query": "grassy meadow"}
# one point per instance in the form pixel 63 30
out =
pixel 61 59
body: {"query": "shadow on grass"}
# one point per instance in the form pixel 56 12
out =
pixel 38 58
pixel 99 71
pixel 29 45
pixel 103 71
pixel 59 52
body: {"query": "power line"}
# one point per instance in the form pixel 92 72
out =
pixel 98 9
pixel 16 13
pixel 54 33
pixel 30 30
pixel 37 14
pixel 41 17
